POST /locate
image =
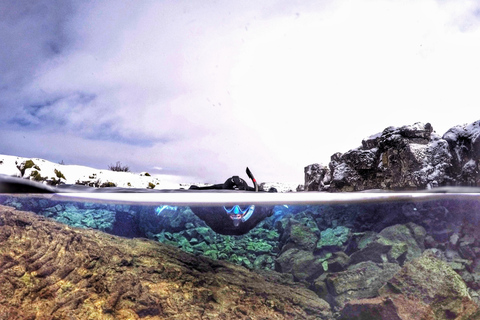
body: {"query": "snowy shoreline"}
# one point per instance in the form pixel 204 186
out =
pixel 48 172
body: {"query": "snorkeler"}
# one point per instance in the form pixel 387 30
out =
pixel 237 219
pixel 233 183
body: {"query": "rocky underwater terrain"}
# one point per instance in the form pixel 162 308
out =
pixel 411 259
pixel 51 271
pixel 389 260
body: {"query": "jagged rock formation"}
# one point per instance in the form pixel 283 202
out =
pixel 51 271
pixel 406 158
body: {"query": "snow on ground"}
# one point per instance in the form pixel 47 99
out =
pixel 281 187
pixel 80 174
pixel 75 174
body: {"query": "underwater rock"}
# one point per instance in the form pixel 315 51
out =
pixel 362 280
pixel 425 288
pixel 303 265
pixel 51 271
pixel 381 308
pixel 338 261
pixel 333 239
pixel 373 251
pixel 407 241
pixel 403 158
pixel 299 235
pixel 396 244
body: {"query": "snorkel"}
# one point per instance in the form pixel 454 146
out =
pixel 250 175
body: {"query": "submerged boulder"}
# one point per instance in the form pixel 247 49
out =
pixel 425 288
pixel 333 239
pixel 397 244
pixel 303 265
pixel 362 280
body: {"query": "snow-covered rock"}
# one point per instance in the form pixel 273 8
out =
pixel 279 186
pixel 464 143
pixel 403 158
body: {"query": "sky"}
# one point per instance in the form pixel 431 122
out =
pixel 198 90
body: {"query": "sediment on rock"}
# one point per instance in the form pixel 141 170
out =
pixel 50 270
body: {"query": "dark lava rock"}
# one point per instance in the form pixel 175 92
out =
pixel 436 284
pixel 303 265
pixel 362 280
pixel 52 271
pixel 464 141
pixel 381 308
pixel 298 234
pixel 425 288
pixel 403 158
pixel 397 244
pixel 333 239
pixel 314 177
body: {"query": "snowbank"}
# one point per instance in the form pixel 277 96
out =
pixel 48 172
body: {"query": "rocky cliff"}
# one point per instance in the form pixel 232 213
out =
pixel 411 157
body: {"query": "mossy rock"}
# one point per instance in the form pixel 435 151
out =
pixel 205 233
pixel 108 184
pixel 272 235
pixel 264 262
pixel 259 247
pixel 303 265
pixel 240 260
pixel 403 240
pixel 35 175
pixel 202 247
pixel 211 254
pixel 333 239
pixel 29 164
pixel 59 174
pixel 301 235
pixel 434 282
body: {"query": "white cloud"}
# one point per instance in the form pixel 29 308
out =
pixel 209 88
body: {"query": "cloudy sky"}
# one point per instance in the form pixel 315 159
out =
pixel 201 89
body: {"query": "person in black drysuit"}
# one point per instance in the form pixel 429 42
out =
pixel 232 220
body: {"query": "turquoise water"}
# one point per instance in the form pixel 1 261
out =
pixel 446 216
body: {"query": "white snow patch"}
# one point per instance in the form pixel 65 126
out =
pixel 76 173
